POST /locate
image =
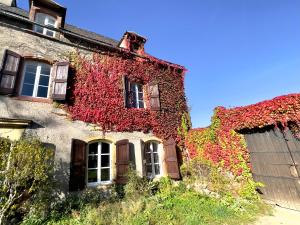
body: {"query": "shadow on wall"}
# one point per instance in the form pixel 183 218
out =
pixel 16 109
pixel 61 173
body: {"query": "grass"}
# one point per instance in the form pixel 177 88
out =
pixel 174 207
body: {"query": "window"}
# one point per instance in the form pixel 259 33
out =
pixel 99 167
pixel 136 95
pixel 36 79
pixel 46 20
pixel 151 159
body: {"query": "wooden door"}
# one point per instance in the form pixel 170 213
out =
pixel 274 156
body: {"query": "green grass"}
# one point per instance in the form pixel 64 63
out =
pixel 175 207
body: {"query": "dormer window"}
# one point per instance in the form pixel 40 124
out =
pixel 133 42
pixel 46 20
pixel 47 13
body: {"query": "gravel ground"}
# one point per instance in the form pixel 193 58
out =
pixel 280 216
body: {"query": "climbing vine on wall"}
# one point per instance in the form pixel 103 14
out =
pixel 97 93
pixel 222 145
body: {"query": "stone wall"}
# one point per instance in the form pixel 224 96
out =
pixel 52 125
pixel 14 38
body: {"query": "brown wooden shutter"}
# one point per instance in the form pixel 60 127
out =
pixel 78 165
pixel 123 160
pixel 60 74
pixel 126 88
pixel 9 72
pixel 171 158
pixel 154 97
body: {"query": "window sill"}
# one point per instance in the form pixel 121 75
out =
pixel 97 184
pixel 33 99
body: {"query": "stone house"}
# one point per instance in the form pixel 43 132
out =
pixel 35 75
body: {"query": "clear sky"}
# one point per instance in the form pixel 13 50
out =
pixel 237 52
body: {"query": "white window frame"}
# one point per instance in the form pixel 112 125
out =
pixel 37 79
pixel 99 182
pixel 159 163
pixel 46 23
pixel 137 92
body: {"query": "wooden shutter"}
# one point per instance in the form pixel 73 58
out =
pixel 123 160
pixel 154 97
pixel 171 159
pixel 9 72
pixel 126 88
pixel 78 165
pixel 60 74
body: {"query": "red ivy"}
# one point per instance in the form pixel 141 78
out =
pixel 282 109
pixel 97 93
pixel 221 145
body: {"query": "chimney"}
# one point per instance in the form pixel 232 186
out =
pixel 12 3
pixel 133 42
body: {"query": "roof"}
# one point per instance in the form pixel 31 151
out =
pixel 18 12
pixel 51 2
pixel 68 27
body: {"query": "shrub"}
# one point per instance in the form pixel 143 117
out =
pixel 26 168
pixel 138 186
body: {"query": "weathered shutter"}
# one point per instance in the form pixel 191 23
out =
pixel 171 158
pixel 126 88
pixel 78 165
pixel 9 72
pixel 154 97
pixel 60 74
pixel 122 161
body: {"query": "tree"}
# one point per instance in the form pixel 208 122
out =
pixel 25 168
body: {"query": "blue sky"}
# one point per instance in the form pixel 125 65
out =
pixel 237 52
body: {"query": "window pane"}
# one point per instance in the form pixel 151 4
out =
pixel 141 104
pixel 140 87
pixel 51 21
pixel 93 161
pixel 104 160
pixel 105 176
pixel 105 148
pixel 40 18
pixel 140 96
pixel 132 87
pixel 44 80
pixel 31 68
pixel 155 156
pixel 154 147
pixel 39 29
pixel 148 157
pixel 149 170
pixel 157 169
pixel 92 176
pixel 93 148
pixel 45 69
pixel 29 78
pixel 50 33
pixel 42 92
pixel 27 90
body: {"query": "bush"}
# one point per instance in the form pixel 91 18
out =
pixel 26 168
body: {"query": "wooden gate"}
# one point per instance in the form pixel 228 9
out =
pixel 275 160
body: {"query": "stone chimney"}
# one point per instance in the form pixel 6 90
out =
pixel 9 2
pixel 133 42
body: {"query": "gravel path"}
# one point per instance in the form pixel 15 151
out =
pixel 280 216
